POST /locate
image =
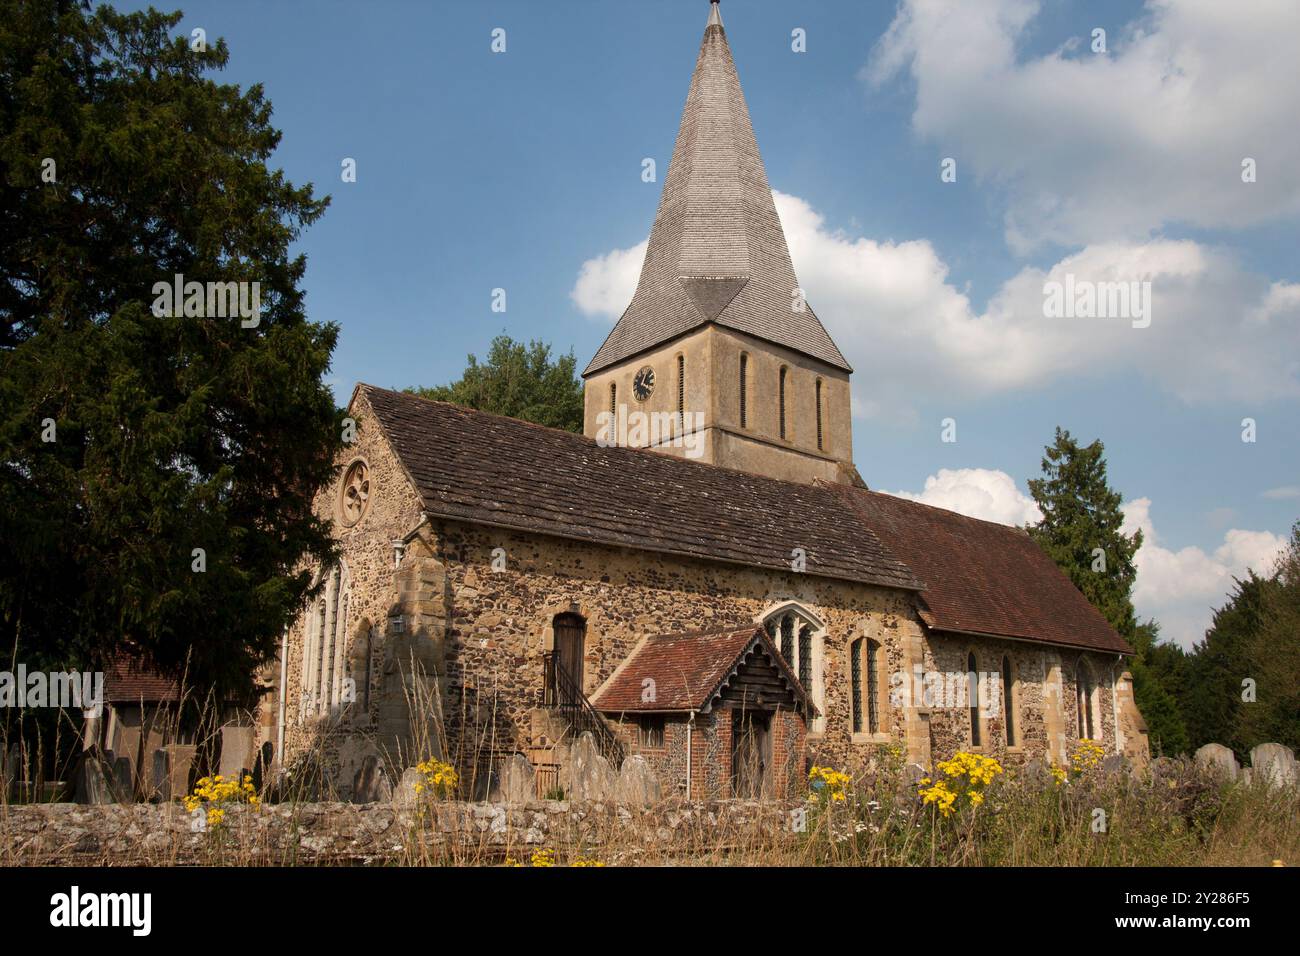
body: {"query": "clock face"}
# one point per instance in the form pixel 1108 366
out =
pixel 643 384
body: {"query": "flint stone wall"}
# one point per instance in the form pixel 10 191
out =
pixel 342 833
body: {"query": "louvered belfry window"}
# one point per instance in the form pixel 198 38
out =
pixel 744 399
pixel 781 400
pixel 819 414
pixel 681 385
pixel 613 404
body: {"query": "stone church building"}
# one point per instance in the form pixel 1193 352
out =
pixel 701 578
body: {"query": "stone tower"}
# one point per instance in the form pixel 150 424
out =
pixel 718 356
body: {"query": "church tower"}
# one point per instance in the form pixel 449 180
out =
pixel 719 357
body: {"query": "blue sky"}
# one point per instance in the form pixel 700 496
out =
pixel 478 170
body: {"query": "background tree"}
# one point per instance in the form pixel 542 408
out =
pixel 1155 689
pixel 1271 657
pixel 123 166
pixel 520 381
pixel 1082 513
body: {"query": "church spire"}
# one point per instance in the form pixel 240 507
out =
pixel 717 252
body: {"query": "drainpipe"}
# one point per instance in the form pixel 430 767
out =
pixel 1114 704
pixel 690 727
pixel 284 678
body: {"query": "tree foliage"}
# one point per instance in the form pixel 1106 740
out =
pixel 124 164
pixel 1081 514
pixel 521 381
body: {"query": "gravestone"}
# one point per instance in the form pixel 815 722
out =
pixel 590 776
pixel 516 781
pixel 636 785
pixel 159 778
pixel 405 794
pixel 236 751
pixel 1274 764
pixel 371 784
pixel 1218 761
pixel 180 762
pixel 1114 765
pixel 123 779
pixel 91 786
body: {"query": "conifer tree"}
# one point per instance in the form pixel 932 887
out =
pixel 157 469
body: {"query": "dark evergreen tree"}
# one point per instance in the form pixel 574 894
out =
pixel 156 472
pixel 1081 513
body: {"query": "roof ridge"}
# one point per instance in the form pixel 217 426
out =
pixel 926 504
pixel 685 462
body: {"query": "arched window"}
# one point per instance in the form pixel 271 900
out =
pixel 324 645
pixel 781 399
pixel 864 676
pixel 744 398
pixel 1087 717
pixel 1009 701
pixel 800 638
pixel 973 696
pixel 819 414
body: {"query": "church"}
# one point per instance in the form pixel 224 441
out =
pixel 721 594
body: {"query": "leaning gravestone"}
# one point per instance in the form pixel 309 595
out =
pixel 1274 764
pixel 91 784
pixel 1218 761
pixel 636 785
pixel 370 783
pixel 590 777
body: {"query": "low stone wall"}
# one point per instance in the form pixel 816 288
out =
pixel 377 834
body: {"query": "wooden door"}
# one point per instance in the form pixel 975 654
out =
pixel 570 631
pixel 750 752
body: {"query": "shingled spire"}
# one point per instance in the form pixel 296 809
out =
pixel 717 252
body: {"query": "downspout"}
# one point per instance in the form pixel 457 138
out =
pixel 279 719
pixel 1114 704
pixel 690 727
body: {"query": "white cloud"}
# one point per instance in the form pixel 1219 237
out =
pixel 1217 330
pixel 1283 493
pixel 978 492
pixel 1181 588
pixel 606 283
pixel 1090 147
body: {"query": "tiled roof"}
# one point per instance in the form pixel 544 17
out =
pixel 717 251
pixel 128 680
pixel 688 671
pixel 472 466
pixel 984 578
